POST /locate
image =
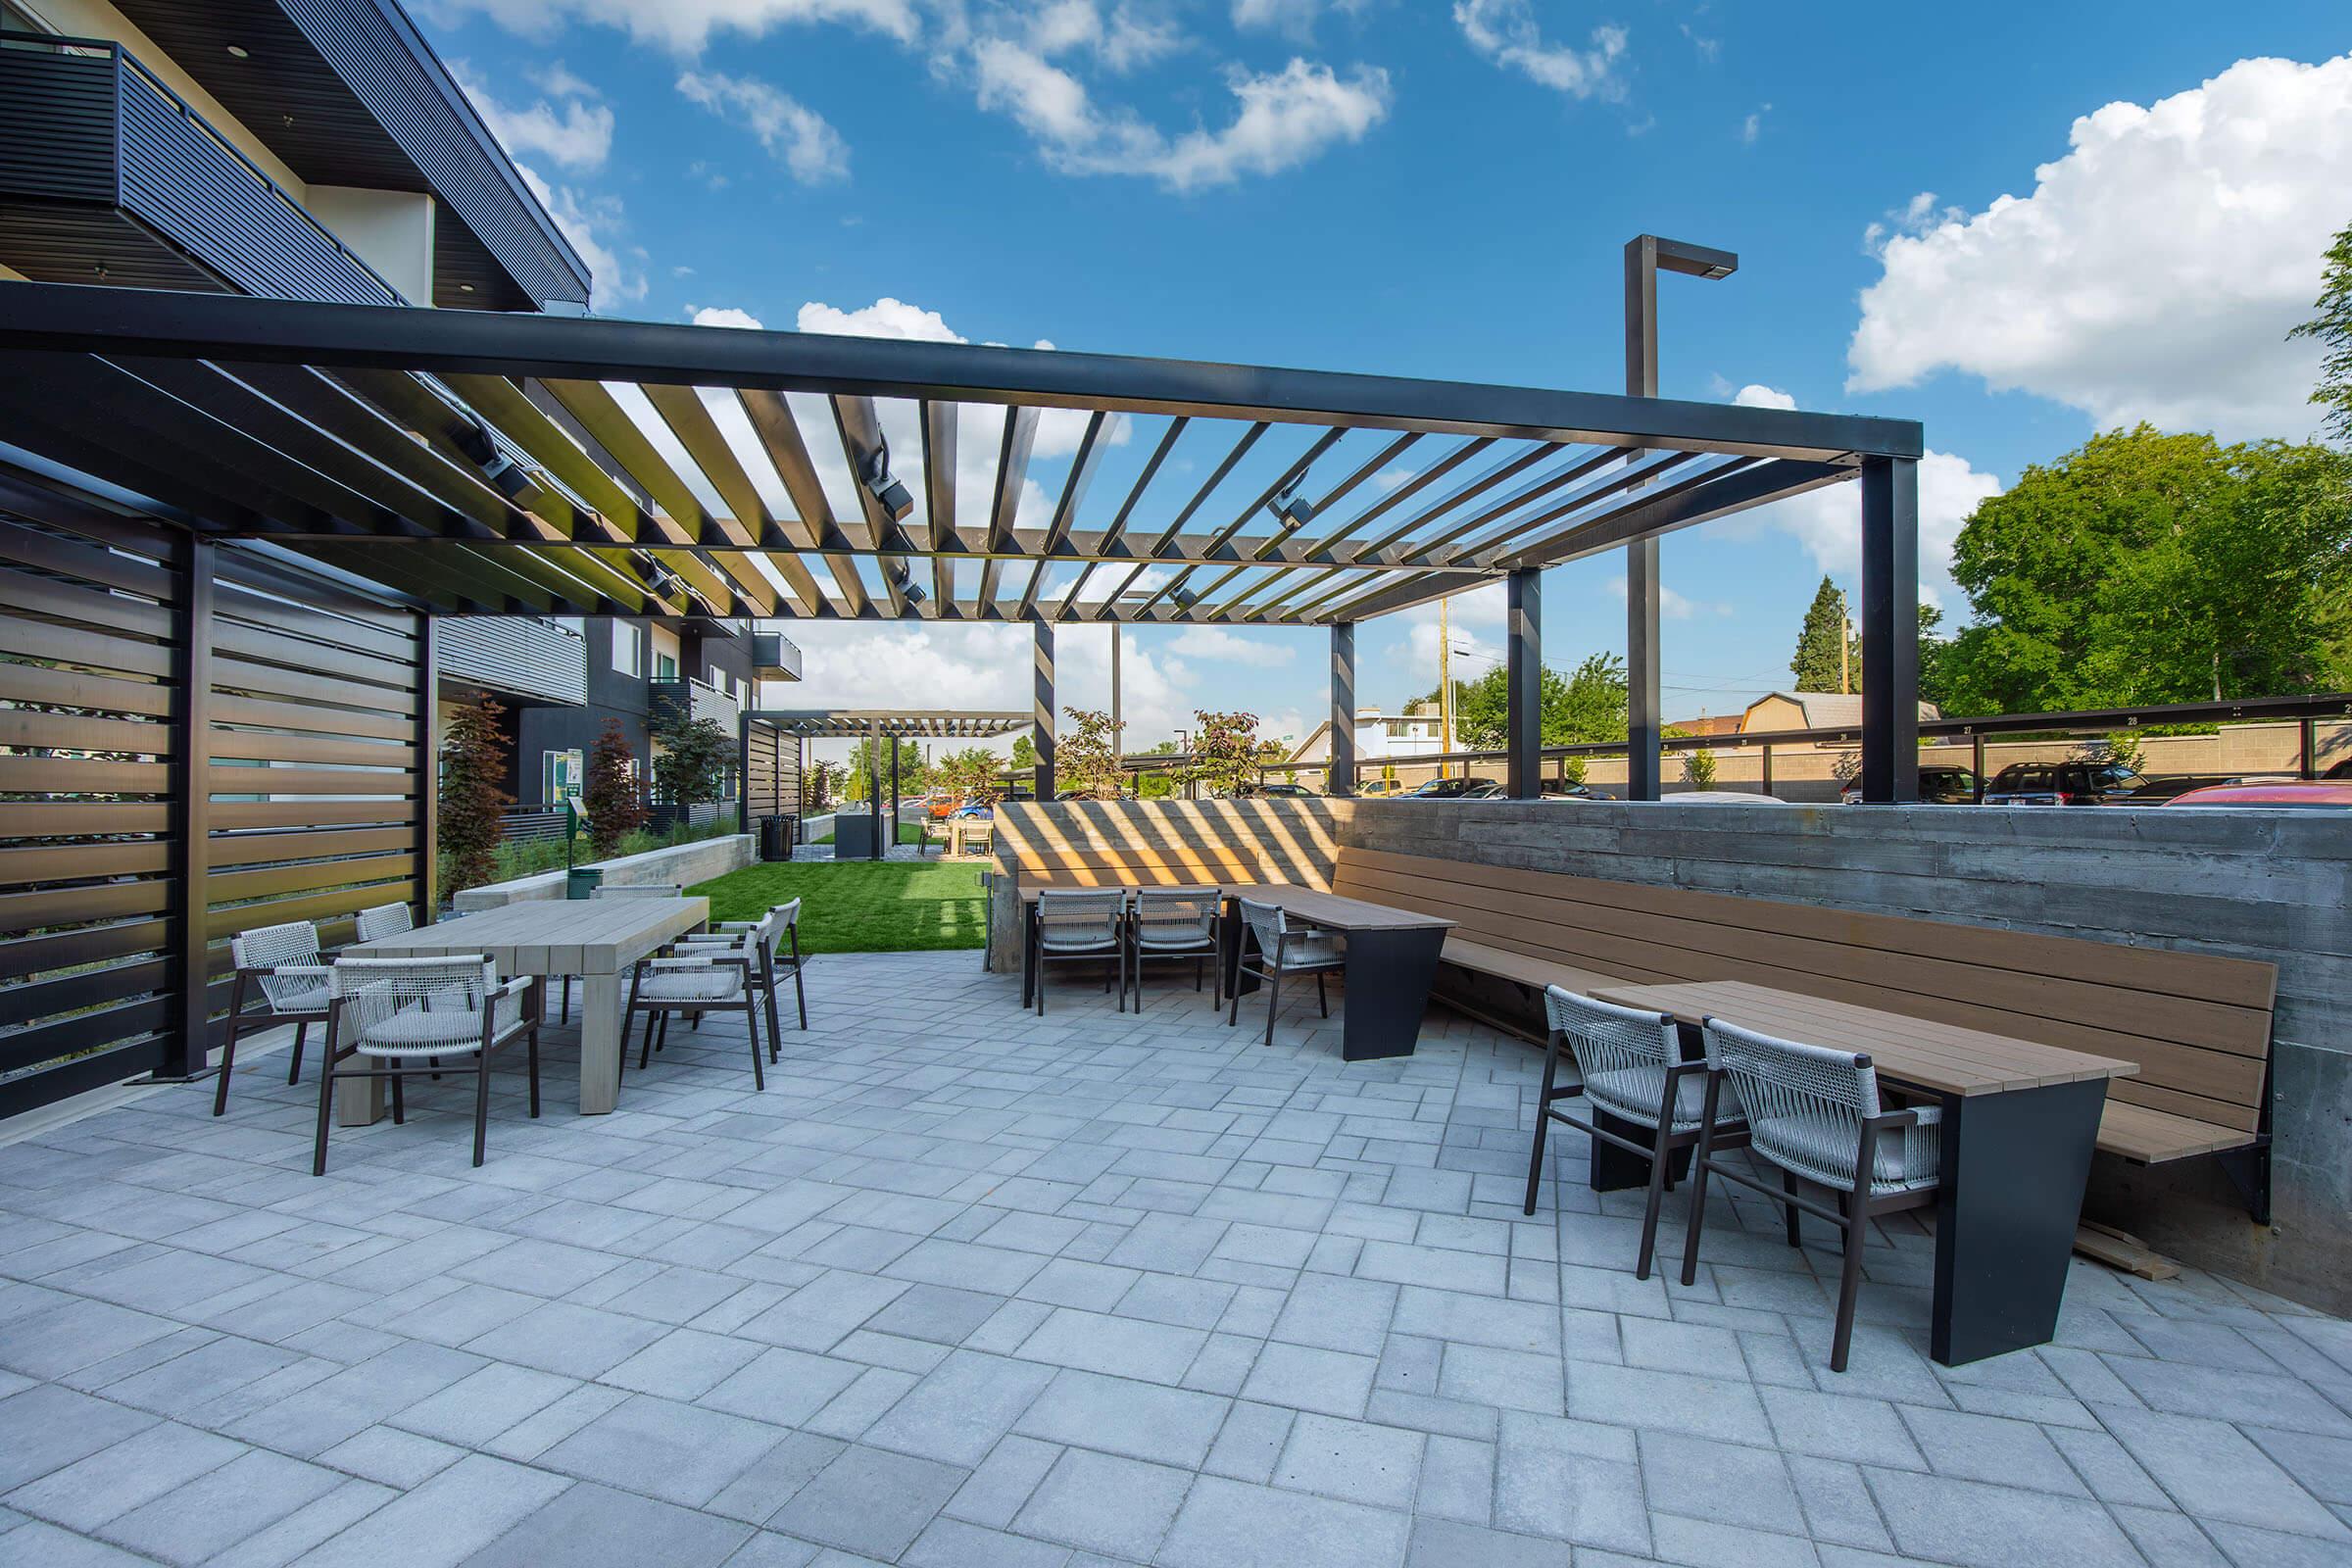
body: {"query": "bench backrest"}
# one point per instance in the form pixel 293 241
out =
pixel 2198 1024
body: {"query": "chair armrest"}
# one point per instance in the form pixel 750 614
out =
pixel 495 1005
pixel 296 971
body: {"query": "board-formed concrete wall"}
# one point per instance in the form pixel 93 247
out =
pixel 682 863
pixel 2275 886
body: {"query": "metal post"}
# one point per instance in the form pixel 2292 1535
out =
pixel 1523 685
pixel 1976 752
pixel 1342 779
pixel 1118 726
pixel 187 1043
pixel 743 776
pixel 1041 708
pixel 429 769
pixel 2309 766
pixel 873 786
pixel 1889 630
pixel 893 824
pixel 1767 767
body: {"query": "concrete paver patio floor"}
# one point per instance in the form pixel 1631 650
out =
pixel 964 1287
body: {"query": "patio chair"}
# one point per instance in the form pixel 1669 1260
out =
pixel 1282 950
pixel 719 980
pixel 385 920
pixel 284 964
pixel 1076 925
pixel 770 938
pixel 1815 1113
pixel 399 1013
pixel 636 890
pixel 1176 923
pixel 1633 1068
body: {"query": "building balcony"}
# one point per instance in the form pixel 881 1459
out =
pixel 108 176
pixel 518 658
pixel 775 656
pixel 669 700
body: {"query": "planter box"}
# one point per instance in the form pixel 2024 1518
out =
pixel 682 863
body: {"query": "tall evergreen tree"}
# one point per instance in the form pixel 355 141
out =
pixel 2333 327
pixel 1820 665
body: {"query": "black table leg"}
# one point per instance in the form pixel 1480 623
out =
pixel 1238 945
pixel 2015 1167
pixel 1389 977
pixel 1028 953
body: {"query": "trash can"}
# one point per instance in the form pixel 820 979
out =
pixel 582 881
pixel 776 838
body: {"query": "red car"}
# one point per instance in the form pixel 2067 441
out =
pixel 2318 795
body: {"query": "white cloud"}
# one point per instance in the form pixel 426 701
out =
pixel 1828 521
pixel 686 27
pixel 1118 38
pixel 1293 18
pixel 789 130
pixel 1673 605
pixel 557 79
pixel 2152 273
pixel 1220 643
pixel 1506 32
pixel 593 225
pixel 1753 126
pixel 1755 395
pixel 1284 119
pixel 577 134
pixel 724 316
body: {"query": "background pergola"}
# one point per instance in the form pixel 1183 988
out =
pixel 770 726
pixel 475 462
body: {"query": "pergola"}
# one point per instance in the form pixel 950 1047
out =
pixel 877 724
pixel 478 463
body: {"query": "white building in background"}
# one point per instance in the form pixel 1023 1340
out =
pixel 1379 737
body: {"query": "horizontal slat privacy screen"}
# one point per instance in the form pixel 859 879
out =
pixel 771 774
pixel 131 855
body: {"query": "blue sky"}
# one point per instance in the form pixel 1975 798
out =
pixel 2015 224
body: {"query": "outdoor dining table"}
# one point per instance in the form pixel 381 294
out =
pixel 600 940
pixel 1391 959
pixel 2019 1122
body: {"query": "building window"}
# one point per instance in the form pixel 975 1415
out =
pixel 666 666
pixel 560 773
pixel 625 650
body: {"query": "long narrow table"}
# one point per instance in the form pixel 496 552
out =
pixel 600 940
pixel 2019 1122
pixel 1391 959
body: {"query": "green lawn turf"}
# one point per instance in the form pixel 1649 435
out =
pixel 861 905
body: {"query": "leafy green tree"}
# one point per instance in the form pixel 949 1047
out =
pixel 913 775
pixel 1227 753
pixel 690 759
pixel 2333 328
pixel 2149 568
pixel 1932 651
pixel 1822 663
pixel 1024 753
pixel 1588 704
pixel 1698 769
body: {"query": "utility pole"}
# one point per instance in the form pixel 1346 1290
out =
pixel 1445 681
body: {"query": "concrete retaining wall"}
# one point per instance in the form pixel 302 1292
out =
pixel 2274 885
pixel 682 863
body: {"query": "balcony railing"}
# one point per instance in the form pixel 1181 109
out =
pixel 106 172
pixel 516 656
pixel 692 698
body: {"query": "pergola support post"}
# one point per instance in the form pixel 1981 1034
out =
pixel 1889 630
pixel 890 823
pixel 187 1043
pixel 1645 769
pixel 1523 712
pixel 1342 780
pixel 873 787
pixel 1041 708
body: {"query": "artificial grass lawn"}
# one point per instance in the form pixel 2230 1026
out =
pixel 861 905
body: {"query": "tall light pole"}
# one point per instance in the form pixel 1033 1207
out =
pixel 1645 256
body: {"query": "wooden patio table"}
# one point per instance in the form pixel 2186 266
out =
pixel 600 940
pixel 2019 1122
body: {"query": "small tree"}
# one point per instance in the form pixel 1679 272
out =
pixel 816 790
pixel 1024 753
pixel 691 765
pixel 2331 327
pixel 1698 769
pixel 470 820
pixel 1088 758
pixel 614 798
pixel 1573 767
pixel 1227 753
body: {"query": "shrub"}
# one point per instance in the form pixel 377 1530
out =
pixel 470 820
pixel 614 798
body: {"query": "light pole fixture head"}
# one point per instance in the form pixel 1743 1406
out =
pixel 1692 261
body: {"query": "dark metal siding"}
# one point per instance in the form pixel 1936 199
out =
pixel 57 126
pixel 517 655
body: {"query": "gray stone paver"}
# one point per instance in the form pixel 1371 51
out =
pixel 966 1287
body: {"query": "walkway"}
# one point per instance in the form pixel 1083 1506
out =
pixel 964 1287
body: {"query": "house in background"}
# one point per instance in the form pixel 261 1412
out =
pixel 1775 712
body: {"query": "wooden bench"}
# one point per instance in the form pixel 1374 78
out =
pixel 2197 1024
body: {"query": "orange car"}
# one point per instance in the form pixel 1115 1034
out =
pixel 941 806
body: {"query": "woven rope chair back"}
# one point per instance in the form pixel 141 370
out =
pixel 1623 1055
pixel 643 890
pixel 385 920
pixel 1266 923
pixel 268 946
pixel 1176 917
pixel 787 915
pixel 374 990
pixel 1805 1104
pixel 1075 919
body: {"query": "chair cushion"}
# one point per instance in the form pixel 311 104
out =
pixel 1633 1094
pixel 296 993
pixel 423 1031
pixel 718 983
pixel 1822 1149
pixel 1304 951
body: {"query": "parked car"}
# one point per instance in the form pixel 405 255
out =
pixel 943 805
pixel 2158 791
pixel 1456 789
pixel 988 808
pixel 2342 769
pixel 1555 789
pixel 2070 783
pixel 1286 791
pixel 1724 798
pixel 1937 786
pixel 1373 789
pixel 2316 795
